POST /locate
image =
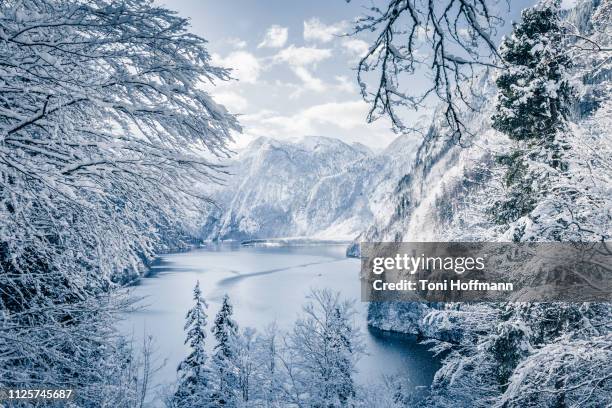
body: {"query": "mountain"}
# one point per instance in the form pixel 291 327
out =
pixel 315 187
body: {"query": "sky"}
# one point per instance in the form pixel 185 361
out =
pixel 295 70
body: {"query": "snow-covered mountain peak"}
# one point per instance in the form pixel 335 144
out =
pixel 313 186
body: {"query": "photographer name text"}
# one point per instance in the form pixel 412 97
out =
pixel 442 286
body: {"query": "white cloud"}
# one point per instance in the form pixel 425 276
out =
pixel 345 120
pixel 300 59
pixel 345 115
pixel 315 30
pixel 356 47
pixel 302 56
pixel 275 37
pixel 344 84
pixel 309 81
pixel 233 101
pixel 245 66
pixel 236 43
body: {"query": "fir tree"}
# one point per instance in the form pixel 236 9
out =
pixel 194 376
pixel 225 331
pixel 532 108
pixel 533 99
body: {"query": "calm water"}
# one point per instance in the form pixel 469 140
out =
pixel 265 285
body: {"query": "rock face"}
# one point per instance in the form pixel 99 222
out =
pixel 315 187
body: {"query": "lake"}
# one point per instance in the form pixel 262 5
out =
pixel 265 285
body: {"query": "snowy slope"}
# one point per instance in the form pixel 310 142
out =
pixel 314 187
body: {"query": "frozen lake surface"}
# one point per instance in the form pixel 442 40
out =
pixel 265 285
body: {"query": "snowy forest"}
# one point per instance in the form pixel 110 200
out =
pixel 116 151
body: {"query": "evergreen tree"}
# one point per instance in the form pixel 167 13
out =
pixel 533 91
pixel 225 331
pixel 532 108
pixel 194 376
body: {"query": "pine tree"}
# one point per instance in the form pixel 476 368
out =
pixel 532 108
pixel 225 331
pixel 194 375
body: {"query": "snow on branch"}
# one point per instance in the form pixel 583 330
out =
pixel 107 140
pixel 447 42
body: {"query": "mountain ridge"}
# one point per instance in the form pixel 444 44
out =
pixel 312 186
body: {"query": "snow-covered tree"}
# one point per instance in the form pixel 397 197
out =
pixel 246 366
pixel 269 371
pixel 534 100
pixel 340 341
pixel 533 91
pixel 323 349
pixel 106 138
pixel 570 372
pixel 452 40
pixel 194 374
pixel 224 358
pixel 515 355
pixel 105 129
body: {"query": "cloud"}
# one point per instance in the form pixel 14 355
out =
pixel 245 66
pixel 344 84
pixel 275 37
pixel 233 101
pixel 345 115
pixel 236 43
pixel 345 120
pixel 354 46
pixel 309 81
pixel 302 56
pixel 300 60
pixel 315 30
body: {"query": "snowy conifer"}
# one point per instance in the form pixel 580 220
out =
pixel 225 331
pixel 194 375
pixel 341 344
pixel 534 93
pixel 532 108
